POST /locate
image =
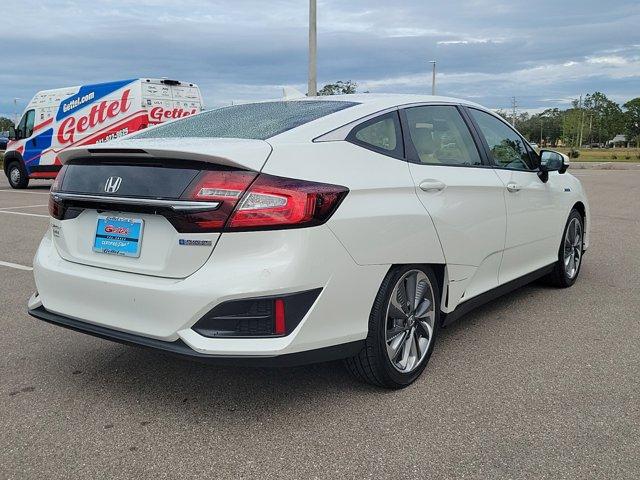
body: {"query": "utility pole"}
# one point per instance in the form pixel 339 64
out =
pixel 581 122
pixel 540 131
pixel 15 110
pixel 433 77
pixel 514 105
pixel 313 49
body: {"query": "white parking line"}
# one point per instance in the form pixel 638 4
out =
pixel 26 206
pixel 10 190
pixel 23 213
pixel 15 265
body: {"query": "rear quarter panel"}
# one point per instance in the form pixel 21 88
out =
pixel 381 221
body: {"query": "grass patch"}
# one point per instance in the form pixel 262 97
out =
pixel 606 155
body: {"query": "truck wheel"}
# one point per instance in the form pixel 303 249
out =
pixel 17 176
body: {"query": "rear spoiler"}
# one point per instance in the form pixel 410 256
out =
pixel 231 152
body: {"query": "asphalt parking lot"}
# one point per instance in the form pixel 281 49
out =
pixel 542 383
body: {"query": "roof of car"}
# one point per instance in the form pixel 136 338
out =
pixel 365 104
pixel 390 99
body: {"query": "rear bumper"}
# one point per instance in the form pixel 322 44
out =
pixel 180 349
pixel 243 265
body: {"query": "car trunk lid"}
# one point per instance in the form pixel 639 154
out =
pixel 127 205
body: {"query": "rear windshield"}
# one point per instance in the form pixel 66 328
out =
pixel 254 120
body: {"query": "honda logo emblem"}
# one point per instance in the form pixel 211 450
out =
pixel 112 184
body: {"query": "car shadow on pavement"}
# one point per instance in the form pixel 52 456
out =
pixel 100 370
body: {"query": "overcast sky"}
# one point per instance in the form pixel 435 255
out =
pixel 544 53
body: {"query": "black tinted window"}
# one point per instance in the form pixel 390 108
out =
pixel 507 147
pixel 253 120
pixel 31 118
pixel 440 137
pixel 381 134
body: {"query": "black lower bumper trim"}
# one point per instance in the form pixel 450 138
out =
pixel 181 349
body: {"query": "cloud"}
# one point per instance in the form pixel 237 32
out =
pixel 487 50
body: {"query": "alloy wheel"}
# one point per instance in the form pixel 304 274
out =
pixel 410 321
pixel 573 248
pixel 15 175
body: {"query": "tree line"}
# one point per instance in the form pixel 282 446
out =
pixel 594 120
pixel 591 121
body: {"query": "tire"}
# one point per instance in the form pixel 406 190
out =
pixel 404 329
pixel 563 276
pixel 17 175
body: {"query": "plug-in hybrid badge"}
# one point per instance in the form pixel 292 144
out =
pixel 194 243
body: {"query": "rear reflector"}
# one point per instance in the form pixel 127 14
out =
pixel 257 317
pixel 279 327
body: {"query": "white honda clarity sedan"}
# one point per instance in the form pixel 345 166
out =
pixel 286 232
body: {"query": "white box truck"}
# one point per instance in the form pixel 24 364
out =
pixel 55 120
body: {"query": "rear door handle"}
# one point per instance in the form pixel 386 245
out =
pixel 513 187
pixel 431 185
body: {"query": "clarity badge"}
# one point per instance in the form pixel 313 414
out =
pixel 194 243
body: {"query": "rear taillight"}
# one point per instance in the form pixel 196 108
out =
pixel 248 201
pixel 57 183
pixel 219 201
pixel 223 187
pixel 277 202
pixel 56 208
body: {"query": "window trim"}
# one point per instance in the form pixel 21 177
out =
pixel 398 152
pixel 410 149
pixel 485 145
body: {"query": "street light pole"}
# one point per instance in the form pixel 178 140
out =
pixel 15 110
pixel 313 49
pixel 540 131
pixel 433 77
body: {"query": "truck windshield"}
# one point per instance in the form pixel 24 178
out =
pixel 257 121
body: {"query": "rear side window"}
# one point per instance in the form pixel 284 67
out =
pixel 253 120
pixel 506 146
pixel 381 134
pixel 439 136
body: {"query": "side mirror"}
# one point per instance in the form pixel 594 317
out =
pixel 12 133
pixel 552 161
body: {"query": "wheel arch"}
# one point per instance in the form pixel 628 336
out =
pixel 9 158
pixel 582 209
pixel 439 269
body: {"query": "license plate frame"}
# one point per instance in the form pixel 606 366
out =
pixel 119 236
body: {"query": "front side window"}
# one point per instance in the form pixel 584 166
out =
pixel 381 134
pixel 28 128
pixel 439 136
pixel 257 121
pixel 506 146
pixel 20 129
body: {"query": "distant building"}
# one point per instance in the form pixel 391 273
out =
pixel 618 141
